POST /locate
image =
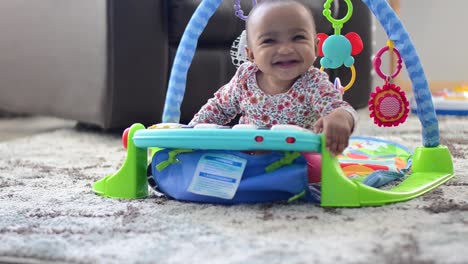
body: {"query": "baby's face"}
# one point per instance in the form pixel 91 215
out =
pixel 281 40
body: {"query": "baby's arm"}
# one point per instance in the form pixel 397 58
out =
pixel 223 106
pixel 220 109
pixel 337 128
pixel 338 118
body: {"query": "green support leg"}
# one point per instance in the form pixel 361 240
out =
pixel 129 182
pixel 431 168
pixel 337 190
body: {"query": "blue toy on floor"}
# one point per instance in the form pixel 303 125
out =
pixel 448 102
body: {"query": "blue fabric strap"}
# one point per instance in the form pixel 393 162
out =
pixel 183 59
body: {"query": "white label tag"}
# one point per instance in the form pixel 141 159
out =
pixel 218 175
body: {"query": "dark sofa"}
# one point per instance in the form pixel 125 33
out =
pixel 107 63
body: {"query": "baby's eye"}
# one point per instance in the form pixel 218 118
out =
pixel 299 37
pixel 268 41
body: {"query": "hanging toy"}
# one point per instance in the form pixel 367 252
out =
pixel 238 52
pixel 238 9
pixel 388 105
pixel 338 50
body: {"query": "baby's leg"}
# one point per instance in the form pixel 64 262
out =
pixel 314 165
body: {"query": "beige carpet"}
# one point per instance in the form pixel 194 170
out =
pixel 48 213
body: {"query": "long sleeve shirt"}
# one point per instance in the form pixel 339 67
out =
pixel 310 97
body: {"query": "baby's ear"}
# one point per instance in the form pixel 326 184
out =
pixel 250 54
pixel 317 42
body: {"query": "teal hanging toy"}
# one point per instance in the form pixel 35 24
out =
pixel 338 50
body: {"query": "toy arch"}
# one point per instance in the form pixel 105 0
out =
pixel 382 11
pixel 432 164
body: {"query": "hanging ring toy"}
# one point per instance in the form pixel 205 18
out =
pixel 388 105
pixel 338 50
pixel 238 9
pixel 337 23
pixel 378 63
pixel 353 78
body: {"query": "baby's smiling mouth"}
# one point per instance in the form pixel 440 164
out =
pixel 286 63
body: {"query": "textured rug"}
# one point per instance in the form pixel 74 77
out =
pixel 48 213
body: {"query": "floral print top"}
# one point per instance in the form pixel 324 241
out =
pixel 311 96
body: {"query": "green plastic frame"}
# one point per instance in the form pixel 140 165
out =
pixel 431 167
pixel 129 182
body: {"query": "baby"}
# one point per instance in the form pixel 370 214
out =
pixel 279 84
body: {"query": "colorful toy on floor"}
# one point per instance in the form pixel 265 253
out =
pixel 366 155
pixel 431 164
pixel 388 105
pixel 448 102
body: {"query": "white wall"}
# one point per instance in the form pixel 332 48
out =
pixel 439 30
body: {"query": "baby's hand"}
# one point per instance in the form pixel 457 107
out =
pixel 337 127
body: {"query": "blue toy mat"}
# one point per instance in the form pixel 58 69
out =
pixel 231 177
